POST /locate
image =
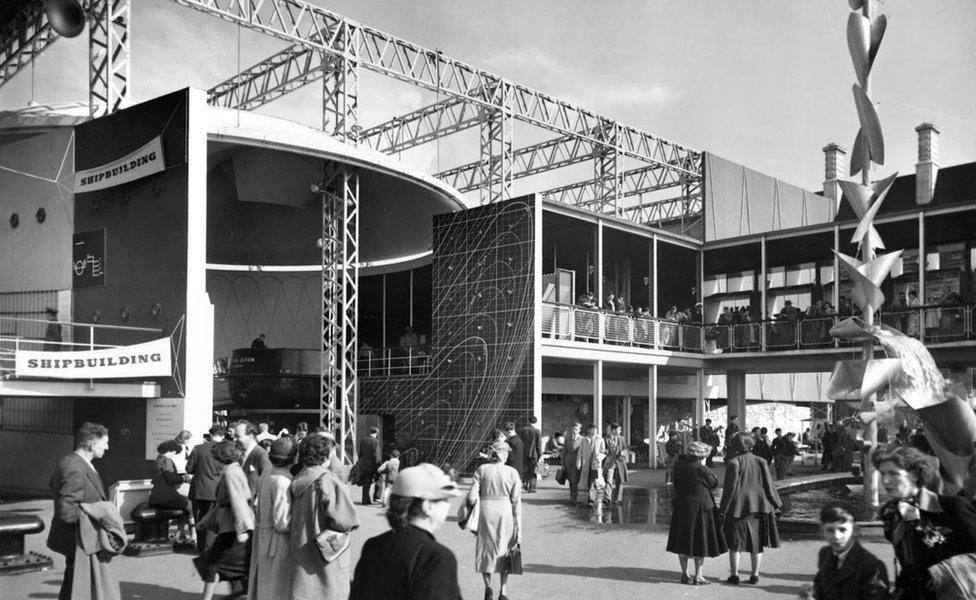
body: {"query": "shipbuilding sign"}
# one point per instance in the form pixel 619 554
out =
pixel 135 165
pixel 151 359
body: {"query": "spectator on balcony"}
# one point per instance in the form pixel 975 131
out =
pixel 611 302
pixel 789 312
pixel 697 315
pixel 725 317
pixel 912 321
pixel 950 298
pixel 846 308
pixel 587 300
pixel 409 339
pixel 672 314
pixel 258 342
pixel 52 335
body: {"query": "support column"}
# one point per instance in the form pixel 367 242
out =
pixel 338 402
pixel 652 416
pixel 921 262
pixel 537 303
pixel 598 266
pixel 340 89
pixel 606 167
pixel 763 284
pixel 383 276
pixel 626 424
pixel 598 395
pixel 735 386
pixel 699 401
pixel 496 148
pixel 108 57
pixel 655 313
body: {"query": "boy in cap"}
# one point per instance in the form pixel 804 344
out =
pixel 407 562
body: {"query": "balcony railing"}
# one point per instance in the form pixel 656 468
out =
pixel 379 362
pixel 28 334
pixel 567 322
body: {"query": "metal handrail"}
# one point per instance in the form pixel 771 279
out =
pixel 594 325
pixel 89 325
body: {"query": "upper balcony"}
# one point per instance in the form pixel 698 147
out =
pixel 933 325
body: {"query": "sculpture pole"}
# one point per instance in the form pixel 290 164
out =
pixel 870 481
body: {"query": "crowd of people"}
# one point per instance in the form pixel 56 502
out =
pixel 272 513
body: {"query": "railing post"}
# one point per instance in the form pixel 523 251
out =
pixel 600 326
pixel 572 323
pixel 762 335
pixel 796 332
pixel 630 331
pixel 681 337
pixel 389 361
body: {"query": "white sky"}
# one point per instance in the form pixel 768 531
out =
pixel 761 82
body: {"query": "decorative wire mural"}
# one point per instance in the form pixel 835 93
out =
pixel 481 346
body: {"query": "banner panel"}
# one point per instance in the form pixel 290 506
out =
pixel 135 165
pixel 151 359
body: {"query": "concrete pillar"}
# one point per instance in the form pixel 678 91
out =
pixel 652 415
pixel 927 168
pixel 699 401
pixel 834 170
pixel 735 385
pixel 598 395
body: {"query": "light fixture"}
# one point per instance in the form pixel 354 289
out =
pixel 96 315
pixel 125 313
pixel 155 308
pixel 14 221
pixel 41 215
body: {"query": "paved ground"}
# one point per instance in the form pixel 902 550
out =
pixel 568 553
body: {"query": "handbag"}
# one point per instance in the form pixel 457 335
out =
pixel 561 476
pixel 512 563
pixel 468 516
pixel 331 543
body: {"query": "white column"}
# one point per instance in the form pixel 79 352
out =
pixel 699 400
pixel 762 289
pixel 654 312
pixel 598 395
pixel 921 259
pixel 652 415
pixel 598 265
pixel 537 302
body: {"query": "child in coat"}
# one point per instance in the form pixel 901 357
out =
pixel 845 570
pixel 388 472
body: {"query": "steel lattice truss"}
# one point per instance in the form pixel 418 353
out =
pixel 26 36
pixel 340 304
pixel 108 53
pixel 329 33
pixel 268 80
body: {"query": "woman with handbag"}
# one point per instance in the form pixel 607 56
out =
pixel 926 529
pixel 749 504
pixel 497 488
pixel 228 557
pixel 407 562
pixel 695 529
pixel 270 571
pixel 321 512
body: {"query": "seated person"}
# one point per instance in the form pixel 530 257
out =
pixel 165 483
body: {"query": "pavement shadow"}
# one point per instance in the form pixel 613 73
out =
pixel 788 576
pixel 612 573
pixel 146 591
pixel 43 595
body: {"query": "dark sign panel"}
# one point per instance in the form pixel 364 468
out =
pixel 88 259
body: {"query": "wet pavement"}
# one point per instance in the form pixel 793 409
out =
pixel 616 552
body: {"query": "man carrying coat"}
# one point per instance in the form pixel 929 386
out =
pixel 532 449
pixel 74 482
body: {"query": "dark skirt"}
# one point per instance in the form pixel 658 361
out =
pixel 752 533
pixel 694 530
pixel 226 557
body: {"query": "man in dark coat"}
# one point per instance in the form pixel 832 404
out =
pixel 206 474
pixel 516 458
pixel 53 332
pixel 370 458
pixel 532 446
pixel 255 457
pixel 74 482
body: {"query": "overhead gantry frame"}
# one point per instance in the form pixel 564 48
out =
pixel 327 46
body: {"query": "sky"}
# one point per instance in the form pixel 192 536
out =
pixel 764 83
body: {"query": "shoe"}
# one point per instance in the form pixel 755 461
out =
pixel 487 593
pixel 754 579
pixel 733 579
pixel 701 581
pixel 685 579
pixel 502 597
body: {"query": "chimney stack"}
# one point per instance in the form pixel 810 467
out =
pixel 927 168
pixel 834 169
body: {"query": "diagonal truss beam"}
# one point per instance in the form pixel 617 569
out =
pixel 26 36
pixel 318 29
pixel 591 193
pixel 421 126
pixel 268 80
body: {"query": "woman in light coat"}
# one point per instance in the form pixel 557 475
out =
pixel 270 570
pixel 319 501
pixel 497 488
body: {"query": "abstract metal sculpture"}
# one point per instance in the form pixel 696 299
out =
pixel 913 380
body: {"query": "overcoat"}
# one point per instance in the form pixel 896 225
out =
pixel 319 501
pixel 270 553
pixel 73 481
